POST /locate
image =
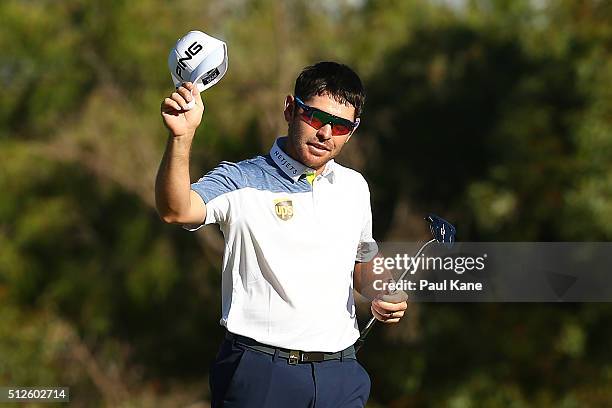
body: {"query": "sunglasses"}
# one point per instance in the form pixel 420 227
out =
pixel 318 118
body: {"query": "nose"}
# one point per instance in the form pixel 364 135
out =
pixel 325 132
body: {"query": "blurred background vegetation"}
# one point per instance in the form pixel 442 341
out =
pixel 494 114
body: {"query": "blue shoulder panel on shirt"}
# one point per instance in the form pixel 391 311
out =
pixel 259 172
pixel 226 177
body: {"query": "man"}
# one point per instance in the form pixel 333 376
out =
pixel 298 232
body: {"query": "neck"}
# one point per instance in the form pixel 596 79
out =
pixel 288 148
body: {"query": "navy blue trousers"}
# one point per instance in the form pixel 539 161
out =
pixel 242 377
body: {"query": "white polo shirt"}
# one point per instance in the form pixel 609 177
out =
pixel 290 248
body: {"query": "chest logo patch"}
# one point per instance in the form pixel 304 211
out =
pixel 283 209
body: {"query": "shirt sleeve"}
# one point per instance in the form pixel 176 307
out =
pixel 215 188
pixel 367 248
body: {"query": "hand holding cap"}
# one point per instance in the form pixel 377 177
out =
pixel 199 58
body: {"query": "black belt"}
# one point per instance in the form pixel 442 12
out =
pixel 292 356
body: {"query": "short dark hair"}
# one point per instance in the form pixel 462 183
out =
pixel 337 80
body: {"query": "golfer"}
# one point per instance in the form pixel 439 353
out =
pixel 298 234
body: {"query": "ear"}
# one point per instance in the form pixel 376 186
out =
pixel 289 106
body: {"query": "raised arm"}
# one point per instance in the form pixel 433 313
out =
pixel 175 201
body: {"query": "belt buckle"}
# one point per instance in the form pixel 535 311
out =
pixel 294 357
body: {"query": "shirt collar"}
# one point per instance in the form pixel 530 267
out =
pixel 329 172
pixel 293 168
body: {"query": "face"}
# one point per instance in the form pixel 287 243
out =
pixel 312 147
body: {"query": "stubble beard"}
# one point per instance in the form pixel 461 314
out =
pixel 300 149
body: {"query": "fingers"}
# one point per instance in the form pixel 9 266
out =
pixel 386 307
pixel 183 96
pixel 181 112
pixel 189 91
pixel 394 297
pixel 185 91
pixel 170 105
pixel 196 95
pixel 383 317
pixel 183 99
pixel 388 312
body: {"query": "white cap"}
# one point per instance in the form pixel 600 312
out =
pixel 198 58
